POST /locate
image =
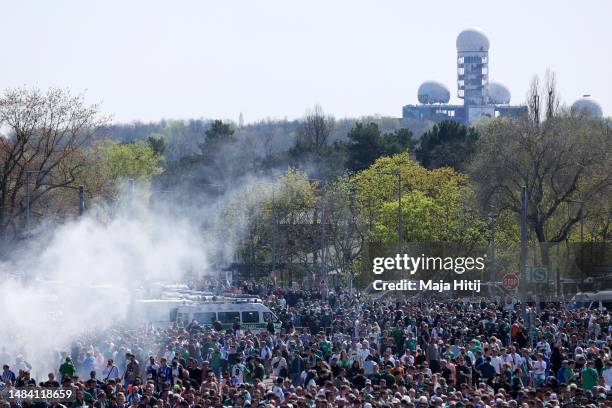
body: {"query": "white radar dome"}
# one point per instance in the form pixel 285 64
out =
pixel 498 93
pixel 588 104
pixel 472 39
pixel 433 92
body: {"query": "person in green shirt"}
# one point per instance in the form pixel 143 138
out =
pixel 345 361
pixel 410 343
pixel 589 375
pixel 475 346
pixel 398 334
pixel 67 369
pixel 215 361
pixel 566 372
pixel 324 345
pixel 250 369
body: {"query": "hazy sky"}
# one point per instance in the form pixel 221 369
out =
pixel 147 60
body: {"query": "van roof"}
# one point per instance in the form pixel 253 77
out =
pixel 600 295
pixel 223 307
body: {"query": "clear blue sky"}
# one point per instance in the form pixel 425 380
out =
pixel 146 60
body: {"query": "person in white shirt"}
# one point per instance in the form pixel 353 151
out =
pixel 407 358
pixel 543 346
pixel 278 363
pixel 512 358
pixel 539 370
pixel 437 332
pixel 110 371
pixel 368 366
pixel 364 351
pixel 496 361
pixel 607 375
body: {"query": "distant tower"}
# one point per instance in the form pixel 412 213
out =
pixel 472 66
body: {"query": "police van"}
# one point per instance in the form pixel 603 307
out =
pixel 249 311
pixel 601 300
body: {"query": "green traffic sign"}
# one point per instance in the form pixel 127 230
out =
pixel 537 274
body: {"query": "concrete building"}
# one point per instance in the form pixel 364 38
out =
pixel 481 98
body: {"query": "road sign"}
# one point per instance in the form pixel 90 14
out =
pixel 510 281
pixel 537 274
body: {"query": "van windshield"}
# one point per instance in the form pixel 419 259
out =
pixel 268 315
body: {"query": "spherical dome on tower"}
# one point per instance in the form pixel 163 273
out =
pixel 472 39
pixel 498 93
pixel 589 105
pixel 433 92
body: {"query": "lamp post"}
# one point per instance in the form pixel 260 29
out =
pixel 523 255
pixel 492 227
pixel 274 221
pixel 323 243
pixel 581 215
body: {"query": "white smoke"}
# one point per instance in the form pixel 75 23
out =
pixel 81 277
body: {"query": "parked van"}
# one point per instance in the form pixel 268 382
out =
pixel 252 316
pixel 249 311
pixel 591 300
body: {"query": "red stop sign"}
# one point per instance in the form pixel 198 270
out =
pixel 510 281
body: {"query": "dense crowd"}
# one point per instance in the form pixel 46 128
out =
pixel 336 349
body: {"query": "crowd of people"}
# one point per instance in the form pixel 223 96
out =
pixel 346 350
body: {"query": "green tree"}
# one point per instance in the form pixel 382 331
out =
pixel 157 143
pixel 397 141
pixel 564 161
pixel 449 144
pixel 109 164
pixel 135 160
pixel 366 144
pixel 41 153
pixel 435 203
pixel 219 133
pixel 282 213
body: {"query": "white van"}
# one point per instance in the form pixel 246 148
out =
pixel 159 312
pixel 251 312
pixel 251 315
pixel 591 300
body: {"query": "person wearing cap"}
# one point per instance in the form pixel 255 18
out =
pixel 564 372
pixel 132 370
